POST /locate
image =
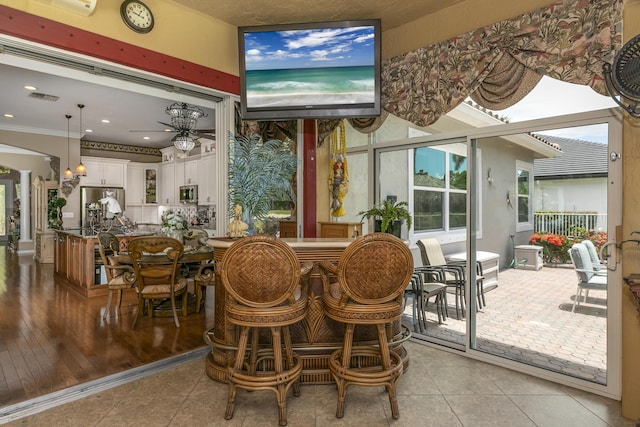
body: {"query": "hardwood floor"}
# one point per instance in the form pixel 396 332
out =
pixel 52 338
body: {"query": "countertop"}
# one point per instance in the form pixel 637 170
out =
pixel 88 234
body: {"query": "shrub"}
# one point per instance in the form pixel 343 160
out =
pixel 554 246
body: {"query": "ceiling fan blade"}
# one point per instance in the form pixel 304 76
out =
pixel 171 126
pixel 147 131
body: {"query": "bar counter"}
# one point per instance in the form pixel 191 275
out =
pixel 314 338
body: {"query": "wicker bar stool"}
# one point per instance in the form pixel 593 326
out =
pixel 266 289
pixel 372 274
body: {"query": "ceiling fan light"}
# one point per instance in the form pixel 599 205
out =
pixel 184 116
pixel 183 142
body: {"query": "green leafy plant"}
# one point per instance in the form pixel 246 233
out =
pixel 260 173
pixel 388 212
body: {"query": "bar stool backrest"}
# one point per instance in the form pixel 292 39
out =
pixel 375 268
pixel 260 271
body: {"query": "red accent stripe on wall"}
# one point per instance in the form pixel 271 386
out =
pixel 37 29
pixel 309 196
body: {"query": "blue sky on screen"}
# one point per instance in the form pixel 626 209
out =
pixel 327 47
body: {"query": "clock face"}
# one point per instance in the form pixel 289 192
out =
pixel 137 16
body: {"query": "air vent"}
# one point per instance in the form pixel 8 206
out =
pixel 43 96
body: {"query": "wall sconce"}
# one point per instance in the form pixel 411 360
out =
pixel 509 199
pixel 489 177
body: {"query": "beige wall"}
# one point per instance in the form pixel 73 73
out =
pixel 179 32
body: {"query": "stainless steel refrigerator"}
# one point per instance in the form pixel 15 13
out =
pixel 90 196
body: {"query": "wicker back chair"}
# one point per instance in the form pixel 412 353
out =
pixel 155 261
pixel 266 288
pixel 119 276
pixel 372 274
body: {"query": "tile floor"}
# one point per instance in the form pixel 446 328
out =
pixel 439 389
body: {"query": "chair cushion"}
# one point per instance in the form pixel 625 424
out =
pixel 164 288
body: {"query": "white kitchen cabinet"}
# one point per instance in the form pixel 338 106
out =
pixel 190 172
pixel 207 183
pixel 135 184
pixel 141 184
pixel 104 172
pixel 168 188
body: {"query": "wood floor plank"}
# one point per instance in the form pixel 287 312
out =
pixel 53 338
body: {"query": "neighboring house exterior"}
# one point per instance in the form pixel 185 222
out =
pixel 576 181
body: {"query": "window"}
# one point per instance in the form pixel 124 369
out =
pixel 439 189
pixel 524 186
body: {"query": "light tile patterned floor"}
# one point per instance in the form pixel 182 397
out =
pixel 440 389
pixel 528 318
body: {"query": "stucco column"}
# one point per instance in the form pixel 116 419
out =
pixel 25 206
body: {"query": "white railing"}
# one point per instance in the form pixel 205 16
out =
pixel 564 222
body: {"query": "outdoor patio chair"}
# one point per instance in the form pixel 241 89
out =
pixel 587 278
pixel 453 271
pixel 426 283
pixel 593 254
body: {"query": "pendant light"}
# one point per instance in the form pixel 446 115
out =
pixel 81 170
pixel 68 173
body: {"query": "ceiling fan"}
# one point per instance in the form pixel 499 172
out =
pixel 184 118
pixel 623 77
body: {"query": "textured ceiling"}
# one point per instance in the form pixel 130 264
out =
pixel 392 13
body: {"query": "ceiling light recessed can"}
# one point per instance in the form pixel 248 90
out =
pixel 88 130
pixel 8 115
pixel 146 138
pixel 29 87
pixel 105 121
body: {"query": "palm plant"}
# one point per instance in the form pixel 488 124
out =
pixel 259 173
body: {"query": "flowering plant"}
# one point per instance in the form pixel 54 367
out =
pixel 555 247
pixel 173 221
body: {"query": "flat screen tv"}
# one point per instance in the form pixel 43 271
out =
pixel 311 70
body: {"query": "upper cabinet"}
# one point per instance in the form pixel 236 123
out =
pixel 104 172
pixel 142 183
pixel 207 182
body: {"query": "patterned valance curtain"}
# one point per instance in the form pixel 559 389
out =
pixel 499 64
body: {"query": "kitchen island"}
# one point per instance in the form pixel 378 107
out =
pixel 315 337
pixel 77 261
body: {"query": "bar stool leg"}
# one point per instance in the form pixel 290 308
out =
pixel 281 394
pixel 237 366
pixel 341 384
pixel 386 365
pixel 288 348
pixel 253 357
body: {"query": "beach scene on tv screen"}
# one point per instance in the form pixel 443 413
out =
pixel 311 67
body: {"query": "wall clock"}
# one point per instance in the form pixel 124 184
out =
pixel 137 16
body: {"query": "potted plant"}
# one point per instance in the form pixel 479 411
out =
pixel 259 174
pixel 389 216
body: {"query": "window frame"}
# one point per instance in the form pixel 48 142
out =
pixel 524 226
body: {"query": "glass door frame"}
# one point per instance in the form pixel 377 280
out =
pixel 612 117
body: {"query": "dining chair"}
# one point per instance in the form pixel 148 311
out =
pixel 266 288
pixel 119 276
pixel 155 261
pixel 366 287
pixel 202 274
